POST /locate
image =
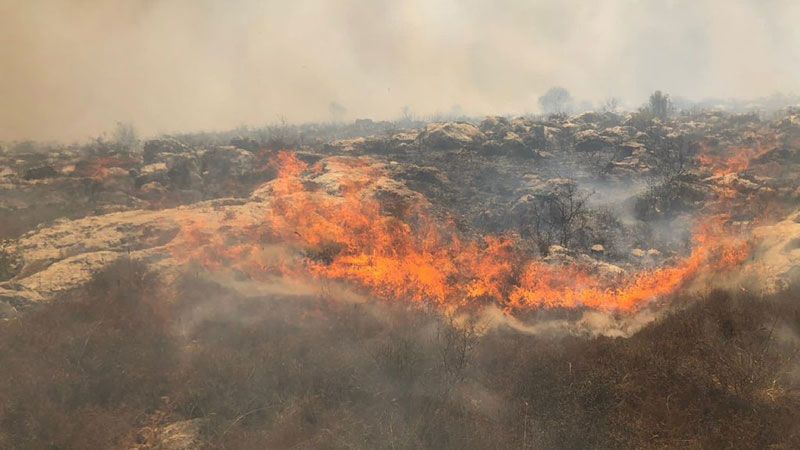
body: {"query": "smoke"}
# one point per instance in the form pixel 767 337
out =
pixel 483 320
pixel 73 68
pixel 587 324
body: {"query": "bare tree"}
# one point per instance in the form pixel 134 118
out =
pixel 660 105
pixel 407 115
pixel 556 100
pixel 566 211
pixel 673 152
pixel 611 104
pixel 456 343
pixel 125 137
pixel 674 187
pixel 557 212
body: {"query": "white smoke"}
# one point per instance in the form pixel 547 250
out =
pixel 73 68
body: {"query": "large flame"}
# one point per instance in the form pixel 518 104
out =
pixel 735 159
pixel 409 255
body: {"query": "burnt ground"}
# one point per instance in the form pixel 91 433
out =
pixel 639 183
pixel 124 362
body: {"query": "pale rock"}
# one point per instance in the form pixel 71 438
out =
pixel 450 135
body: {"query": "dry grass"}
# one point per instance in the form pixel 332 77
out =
pixel 110 366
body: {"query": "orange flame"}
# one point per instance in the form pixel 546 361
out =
pixel 410 256
pixel 735 159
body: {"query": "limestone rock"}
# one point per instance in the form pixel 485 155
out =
pixel 450 135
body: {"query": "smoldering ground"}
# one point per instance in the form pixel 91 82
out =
pixel 114 364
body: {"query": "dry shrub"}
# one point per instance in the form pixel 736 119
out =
pixel 712 375
pixel 77 373
pixel 111 365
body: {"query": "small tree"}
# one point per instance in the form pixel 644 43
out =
pixel 407 115
pixel 557 212
pixel 660 105
pixel 673 154
pixel 611 104
pixel 556 100
pixel 278 134
pixel 124 137
pixel 673 188
pixel 456 344
pixel 566 211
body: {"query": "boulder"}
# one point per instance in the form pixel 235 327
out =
pixel 155 148
pixel 775 260
pixel 521 125
pixel 224 162
pixel 638 253
pixel 450 135
pixel 346 145
pixel 606 270
pixel 558 255
pixel 67 273
pixel 511 144
pixel 591 141
pixel 152 173
pixel 631 148
pixel 494 124
pixel 184 171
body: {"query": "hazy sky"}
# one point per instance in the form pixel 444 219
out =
pixel 70 69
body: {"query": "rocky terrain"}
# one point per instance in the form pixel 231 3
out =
pixel 633 188
pixel 538 282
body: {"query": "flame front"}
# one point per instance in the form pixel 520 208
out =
pixel 408 255
pixel 735 159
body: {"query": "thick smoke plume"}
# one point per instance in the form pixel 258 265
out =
pixel 71 69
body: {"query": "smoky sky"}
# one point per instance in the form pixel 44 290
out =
pixel 71 69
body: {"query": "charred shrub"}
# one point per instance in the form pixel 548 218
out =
pixel 667 198
pixel 555 213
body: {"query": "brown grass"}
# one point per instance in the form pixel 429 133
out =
pixel 111 365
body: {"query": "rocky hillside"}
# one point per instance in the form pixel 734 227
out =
pixel 599 281
pixel 633 189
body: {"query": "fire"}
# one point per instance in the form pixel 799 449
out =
pixel 735 159
pixel 721 165
pixel 409 255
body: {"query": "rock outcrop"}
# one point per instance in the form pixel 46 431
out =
pixel 450 135
pixel 775 260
